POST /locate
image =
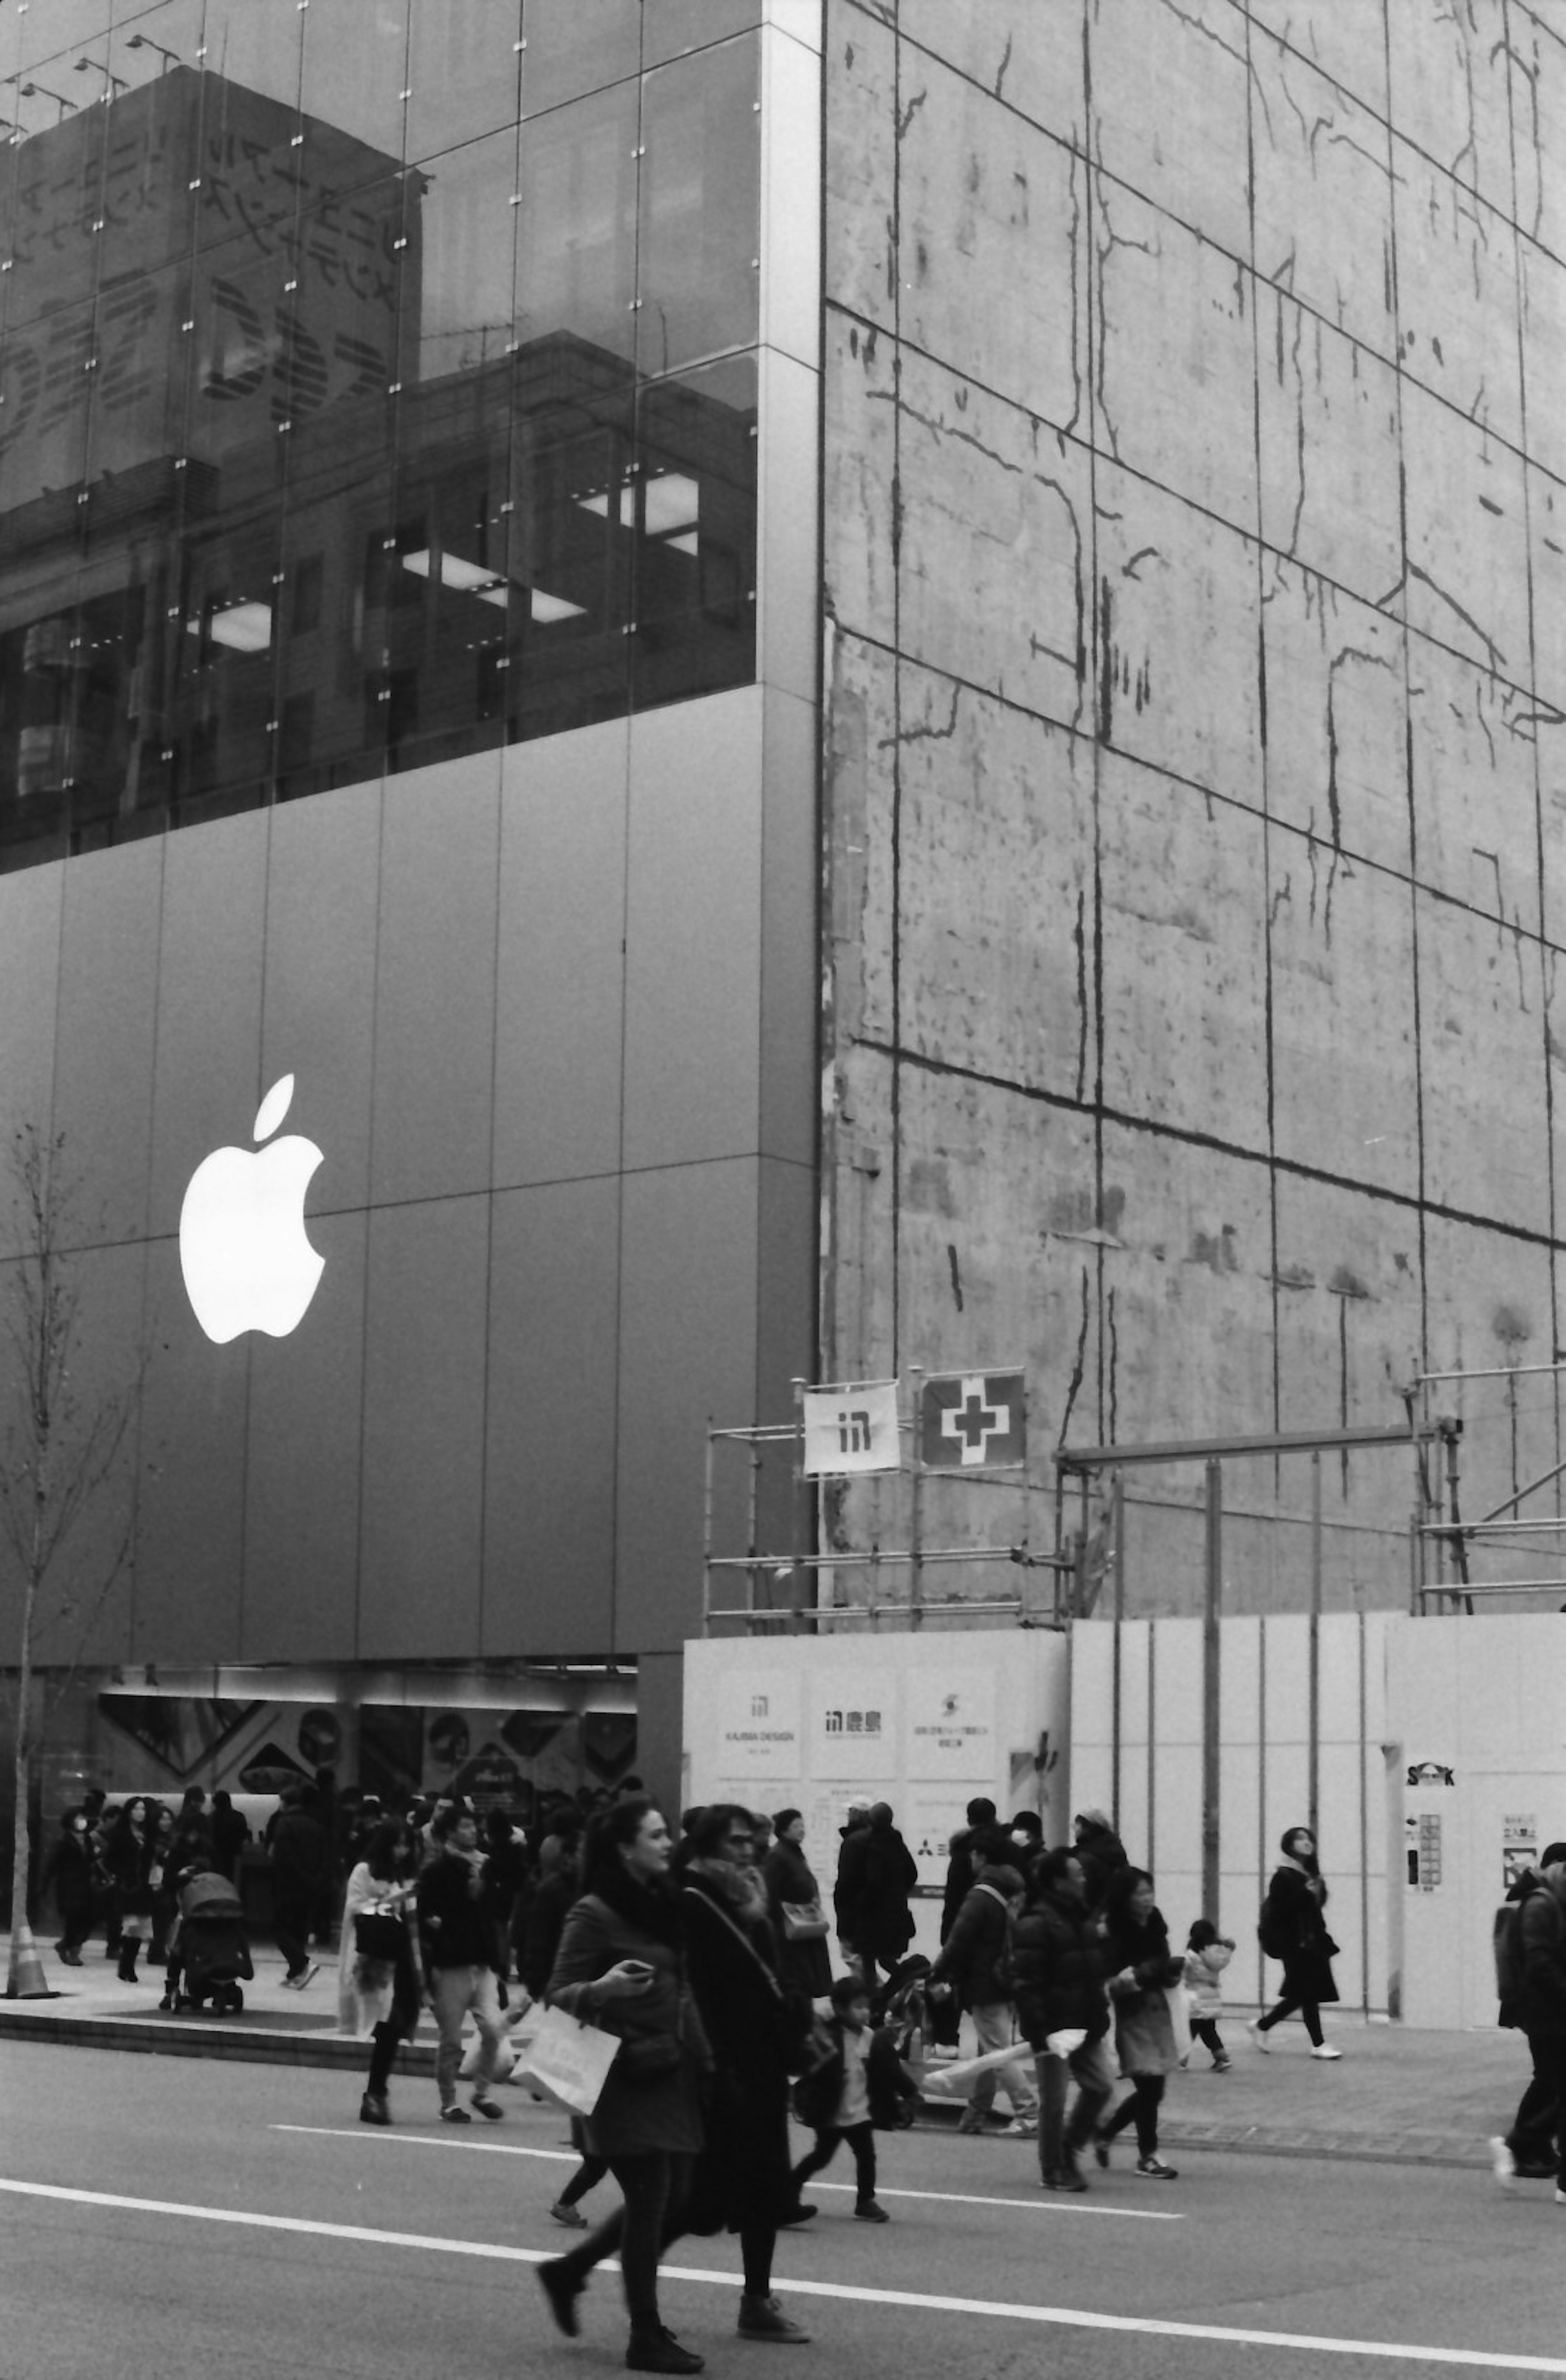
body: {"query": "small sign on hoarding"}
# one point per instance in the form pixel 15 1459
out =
pixel 851 1428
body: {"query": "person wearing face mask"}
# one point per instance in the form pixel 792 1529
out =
pixel 621 1965
pixel 71 1873
pixel 1141 1966
pixel 1296 1898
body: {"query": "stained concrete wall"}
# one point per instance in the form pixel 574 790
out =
pixel 1196 587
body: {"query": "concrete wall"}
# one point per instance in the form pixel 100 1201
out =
pixel 1194 566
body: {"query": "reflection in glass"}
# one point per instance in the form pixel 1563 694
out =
pixel 327 448
pixel 672 27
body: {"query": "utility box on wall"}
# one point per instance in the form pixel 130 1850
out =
pixel 925 1722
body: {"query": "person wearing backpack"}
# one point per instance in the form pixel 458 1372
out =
pixel 974 1961
pixel 1531 1974
pixel 1293 1929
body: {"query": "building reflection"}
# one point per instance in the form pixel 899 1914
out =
pixel 247 551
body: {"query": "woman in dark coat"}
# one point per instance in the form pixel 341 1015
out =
pixel 621 1965
pixel 127 1856
pixel 71 1873
pixel 1298 1895
pixel 1140 1966
pixel 1058 1975
pixel 807 1962
pixel 744 2180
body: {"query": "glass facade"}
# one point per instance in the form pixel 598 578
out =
pixel 377 385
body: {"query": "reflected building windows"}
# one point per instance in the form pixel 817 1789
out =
pixel 353 421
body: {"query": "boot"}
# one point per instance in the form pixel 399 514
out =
pixel 374 2110
pixel 127 1951
pixel 658 2350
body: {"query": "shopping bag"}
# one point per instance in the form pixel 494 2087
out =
pixel 953 2081
pixel 505 2059
pixel 567 2060
pixel 1180 2018
pixel 1067 2042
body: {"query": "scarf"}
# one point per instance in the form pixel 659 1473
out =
pixel 653 1908
pixel 741 1890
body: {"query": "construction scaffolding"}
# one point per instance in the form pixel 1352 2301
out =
pixel 1457 1563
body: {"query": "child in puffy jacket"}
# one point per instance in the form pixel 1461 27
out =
pixel 1208 1952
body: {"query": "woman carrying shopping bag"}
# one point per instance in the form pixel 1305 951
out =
pixel 621 1967
pixel 1141 1968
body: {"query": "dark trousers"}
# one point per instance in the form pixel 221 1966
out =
pixel 76 1925
pixel 860 2138
pixel 293 1907
pixel 1141 2109
pixel 588 2176
pixel 1309 2011
pixel 1533 2137
pixel 654 2187
pixel 1205 2030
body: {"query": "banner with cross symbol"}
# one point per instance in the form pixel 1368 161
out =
pixel 971 1421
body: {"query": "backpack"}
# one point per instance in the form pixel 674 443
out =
pixel 1506 1941
pixel 1272 1931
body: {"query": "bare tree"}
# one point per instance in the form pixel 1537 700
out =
pixel 62 1452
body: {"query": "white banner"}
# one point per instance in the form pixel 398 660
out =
pixel 853 1428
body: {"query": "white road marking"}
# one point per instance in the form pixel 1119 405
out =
pixel 995 2309
pixel 1049 2204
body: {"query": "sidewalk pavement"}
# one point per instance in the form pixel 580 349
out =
pixel 1397 2095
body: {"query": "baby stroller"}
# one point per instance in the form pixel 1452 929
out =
pixel 209 1954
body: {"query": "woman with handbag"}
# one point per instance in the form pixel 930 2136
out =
pixel 1296 1898
pixel 378 1991
pixel 793 1904
pixel 1141 1967
pixel 758 2030
pixel 621 1966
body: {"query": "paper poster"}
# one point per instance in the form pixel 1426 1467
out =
pixel 1519 1847
pixel 950 1727
pixel 758 1724
pixel 853 1729
pixel 929 1825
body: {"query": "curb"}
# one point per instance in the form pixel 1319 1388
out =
pixel 200 2037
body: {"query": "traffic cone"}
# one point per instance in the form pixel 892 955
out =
pixel 27 1980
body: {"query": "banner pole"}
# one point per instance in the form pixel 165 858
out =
pixel 915 1504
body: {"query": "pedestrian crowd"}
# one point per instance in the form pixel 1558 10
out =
pixel 706 1959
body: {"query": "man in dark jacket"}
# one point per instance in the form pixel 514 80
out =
pixel 959 1864
pixel 1540 2013
pixel 875 1874
pixel 974 1962
pixel 1057 1967
pixel 1099 1850
pixel 456 1943
pixel 301 1868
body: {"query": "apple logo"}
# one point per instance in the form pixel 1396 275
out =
pixel 246 1262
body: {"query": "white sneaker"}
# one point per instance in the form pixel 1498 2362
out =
pixel 1503 2165
pixel 1263 2041
pixel 1325 2050
pixel 1021 2128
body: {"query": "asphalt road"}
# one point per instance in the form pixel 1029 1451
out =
pixel 346 2251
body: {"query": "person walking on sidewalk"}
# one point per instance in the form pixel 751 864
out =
pixel 378 1990
pixel 127 1856
pixel 1141 1969
pixel 70 1874
pixel 974 1962
pixel 460 1955
pixel 1058 1970
pixel 1208 1952
pixel 875 1872
pixel 1540 2013
pixel 301 1863
pixel 1293 1920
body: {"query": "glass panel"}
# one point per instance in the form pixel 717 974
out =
pixel 150 42
pixel 576 46
pixel 354 74
pixel 464 63
pixel 462 241
pixel 699 228
pixel 694 534
pixel 672 27
pixel 576 234
pixel 254 47
pixel 571 544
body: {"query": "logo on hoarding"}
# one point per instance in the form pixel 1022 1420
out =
pixel 246 1262
pixel 972 1420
